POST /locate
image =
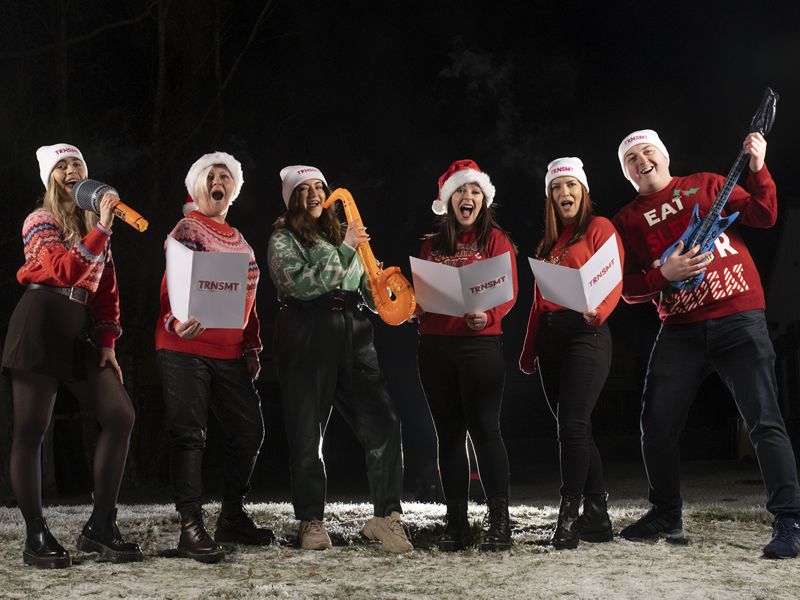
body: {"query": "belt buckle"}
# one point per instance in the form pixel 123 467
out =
pixel 338 303
pixel 73 297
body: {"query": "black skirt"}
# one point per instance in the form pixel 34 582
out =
pixel 48 335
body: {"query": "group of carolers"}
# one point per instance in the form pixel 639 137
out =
pixel 64 328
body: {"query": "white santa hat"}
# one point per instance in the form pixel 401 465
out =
pixel 294 175
pixel 48 157
pixel 208 160
pixel 458 174
pixel 566 166
pixel 643 136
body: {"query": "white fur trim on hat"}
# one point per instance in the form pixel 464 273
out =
pixel 643 136
pixel 456 180
pixel 566 166
pixel 294 175
pixel 215 158
pixel 48 157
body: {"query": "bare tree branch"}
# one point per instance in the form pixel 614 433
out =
pixel 81 38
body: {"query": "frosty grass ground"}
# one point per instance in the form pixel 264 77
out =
pixel 721 559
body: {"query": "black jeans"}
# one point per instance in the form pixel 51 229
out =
pixel 463 379
pixel 191 385
pixel 738 348
pixel 574 361
pixel 327 358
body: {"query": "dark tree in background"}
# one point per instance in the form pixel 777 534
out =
pixel 382 97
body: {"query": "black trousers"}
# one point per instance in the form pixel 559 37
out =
pixel 463 379
pixel 327 358
pixel 739 349
pixel 574 361
pixel 191 385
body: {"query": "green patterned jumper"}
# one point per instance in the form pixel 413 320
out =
pixel 307 273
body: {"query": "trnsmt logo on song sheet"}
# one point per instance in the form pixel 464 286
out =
pixel 602 272
pixel 217 286
pixel 477 289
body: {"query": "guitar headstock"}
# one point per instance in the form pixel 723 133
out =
pixel 765 115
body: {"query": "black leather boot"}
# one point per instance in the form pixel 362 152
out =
pixel 565 536
pixel 594 525
pixel 101 535
pixel 195 542
pixel 41 548
pixel 457 532
pixel 498 536
pixel 235 525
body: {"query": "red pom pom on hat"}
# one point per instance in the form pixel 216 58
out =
pixel 189 205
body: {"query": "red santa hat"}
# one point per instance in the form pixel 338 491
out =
pixel 566 166
pixel 458 174
pixel 48 157
pixel 209 160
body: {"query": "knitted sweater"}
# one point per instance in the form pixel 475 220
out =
pixel 87 264
pixel 575 256
pixel 466 253
pixel 202 234
pixel 652 222
pixel 307 273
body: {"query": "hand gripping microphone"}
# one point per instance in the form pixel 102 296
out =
pixel 87 194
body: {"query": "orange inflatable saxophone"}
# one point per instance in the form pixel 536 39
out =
pixel 392 293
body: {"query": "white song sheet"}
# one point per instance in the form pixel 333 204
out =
pixel 455 291
pixel 580 289
pixel 210 286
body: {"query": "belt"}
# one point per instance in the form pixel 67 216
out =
pixel 337 300
pixel 76 294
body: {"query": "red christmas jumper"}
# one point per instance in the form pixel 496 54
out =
pixel 466 253
pixel 88 264
pixel 598 233
pixel 202 234
pixel 652 222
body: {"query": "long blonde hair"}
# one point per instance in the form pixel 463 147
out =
pixel 76 223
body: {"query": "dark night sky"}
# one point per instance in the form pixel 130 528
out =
pixel 382 97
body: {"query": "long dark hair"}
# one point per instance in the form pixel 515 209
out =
pixel 443 240
pixel 308 229
pixel 553 225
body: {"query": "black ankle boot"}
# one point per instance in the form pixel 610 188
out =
pixel 594 525
pixel 457 532
pixel 101 535
pixel 565 536
pixel 194 541
pixel 41 548
pixel 235 525
pixel 498 536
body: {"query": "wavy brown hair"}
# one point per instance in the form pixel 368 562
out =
pixel 553 227
pixel 308 229
pixel 75 221
pixel 443 240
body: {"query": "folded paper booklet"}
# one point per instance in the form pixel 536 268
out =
pixel 580 289
pixel 210 286
pixel 455 291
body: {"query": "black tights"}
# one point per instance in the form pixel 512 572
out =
pixel 34 396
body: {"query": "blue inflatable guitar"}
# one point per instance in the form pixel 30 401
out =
pixel 705 232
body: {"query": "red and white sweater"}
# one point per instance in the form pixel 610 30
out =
pixel 652 222
pixel 87 264
pixel 202 234
pixel 466 253
pixel 598 232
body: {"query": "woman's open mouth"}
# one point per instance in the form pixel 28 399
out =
pixel 217 195
pixel 466 210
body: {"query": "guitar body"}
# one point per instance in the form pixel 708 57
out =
pixel 690 240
